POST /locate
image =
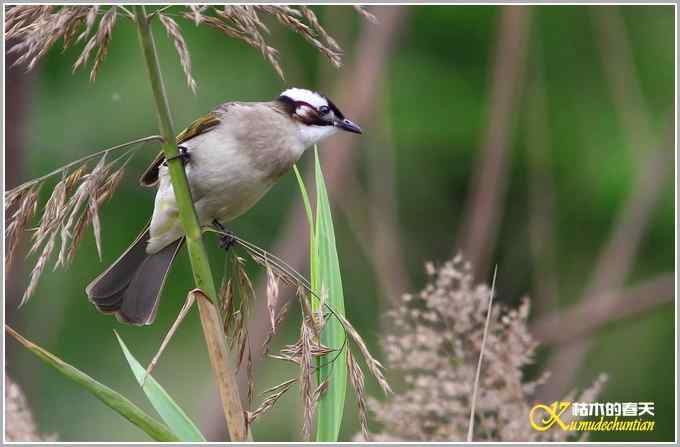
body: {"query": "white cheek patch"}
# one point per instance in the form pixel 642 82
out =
pixel 306 113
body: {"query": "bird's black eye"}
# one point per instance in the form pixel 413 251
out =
pixel 323 110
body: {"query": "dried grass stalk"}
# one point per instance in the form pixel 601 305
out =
pixel 273 395
pixel 89 22
pixel 365 14
pixel 188 303
pixel 272 296
pixel 103 39
pixel 277 325
pixel 74 203
pixel 38 269
pixel 25 200
pixel 374 366
pixel 307 346
pixel 175 34
pixel 93 205
pixel 37 28
pixel 356 377
pixel 475 386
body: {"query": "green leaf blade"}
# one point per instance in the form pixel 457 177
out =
pixel 167 408
pixel 109 397
pixel 326 276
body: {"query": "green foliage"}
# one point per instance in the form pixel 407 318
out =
pixel 166 407
pixel 111 398
pixel 327 283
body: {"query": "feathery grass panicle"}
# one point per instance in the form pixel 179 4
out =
pixel 435 341
pixel 283 313
pixel 365 14
pixel 272 296
pixel 175 33
pixel 374 366
pixel 356 378
pixel 307 348
pixel 273 395
pixel 236 297
pixel 24 201
pixel 35 29
pixel 72 205
pixel 103 38
pixel 38 269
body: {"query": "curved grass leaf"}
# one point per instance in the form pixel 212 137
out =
pixel 166 407
pixel 327 280
pixel 111 398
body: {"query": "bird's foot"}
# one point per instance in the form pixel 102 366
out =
pixel 226 238
pixel 183 155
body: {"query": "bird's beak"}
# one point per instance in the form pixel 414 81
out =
pixel 348 126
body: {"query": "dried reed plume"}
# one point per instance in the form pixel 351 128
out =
pixel 307 348
pixel 20 424
pixel 35 29
pixel 236 297
pixel 73 204
pixel 435 340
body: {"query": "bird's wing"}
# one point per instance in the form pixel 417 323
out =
pixel 200 126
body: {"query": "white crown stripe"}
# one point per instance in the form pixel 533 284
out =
pixel 300 94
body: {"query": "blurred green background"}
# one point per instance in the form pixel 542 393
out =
pixel 430 112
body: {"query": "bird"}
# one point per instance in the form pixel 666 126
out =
pixel 232 156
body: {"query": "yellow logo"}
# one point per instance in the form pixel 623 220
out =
pixel 542 417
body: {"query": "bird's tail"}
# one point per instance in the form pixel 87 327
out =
pixel 131 287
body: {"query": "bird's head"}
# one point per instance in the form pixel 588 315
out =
pixel 316 115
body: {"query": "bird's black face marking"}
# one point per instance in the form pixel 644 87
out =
pixel 325 115
pixel 288 104
pixel 307 113
pixel 338 114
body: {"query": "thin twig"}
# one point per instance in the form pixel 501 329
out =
pixel 67 166
pixel 191 298
pixel 475 388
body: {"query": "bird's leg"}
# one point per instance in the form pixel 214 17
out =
pixel 183 155
pixel 227 238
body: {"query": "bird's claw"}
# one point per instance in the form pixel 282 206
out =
pixel 183 155
pixel 227 238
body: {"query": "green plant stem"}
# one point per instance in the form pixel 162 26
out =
pixel 212 328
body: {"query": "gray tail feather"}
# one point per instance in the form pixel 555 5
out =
pixel 131 287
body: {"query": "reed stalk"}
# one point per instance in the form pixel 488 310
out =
pixel 210 321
